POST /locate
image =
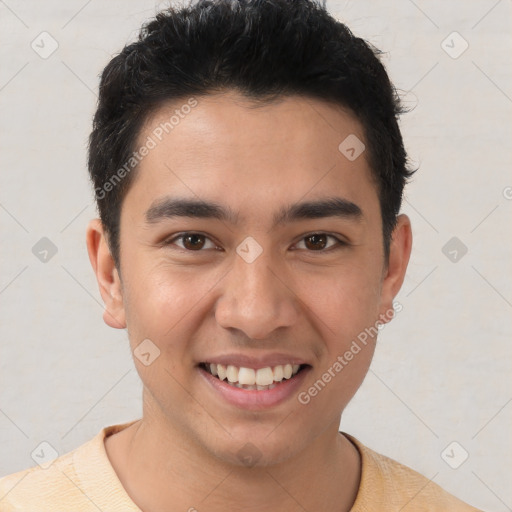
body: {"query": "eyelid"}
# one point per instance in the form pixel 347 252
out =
pixel 339 241
pixel 176 236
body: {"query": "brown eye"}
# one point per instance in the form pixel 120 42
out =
pixel 316 242
pixel 319 242
pixel 193 242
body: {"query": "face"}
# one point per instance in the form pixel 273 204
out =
pixel 251 246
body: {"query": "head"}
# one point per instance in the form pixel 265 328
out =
pixel 268 131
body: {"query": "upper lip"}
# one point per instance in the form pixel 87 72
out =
pixel 262 361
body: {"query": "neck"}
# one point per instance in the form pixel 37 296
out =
pixel 163 469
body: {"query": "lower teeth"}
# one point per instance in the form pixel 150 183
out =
pixel 250 388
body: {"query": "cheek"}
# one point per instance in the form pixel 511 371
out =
pixel 161 304
pixel 336 380
pixel 345 308
pixel 344 301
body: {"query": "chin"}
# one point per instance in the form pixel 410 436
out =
pixel 256 449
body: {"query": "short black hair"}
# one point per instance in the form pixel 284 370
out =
pixel 264 49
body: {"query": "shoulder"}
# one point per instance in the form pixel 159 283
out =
pixel 386 485
pixel 37 487
pixel 80 480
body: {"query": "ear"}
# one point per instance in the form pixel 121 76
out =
pixel 106 275
pixel 399 254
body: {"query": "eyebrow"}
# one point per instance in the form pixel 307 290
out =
pixel 169 208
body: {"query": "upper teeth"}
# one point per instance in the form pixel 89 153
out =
pixel 248 376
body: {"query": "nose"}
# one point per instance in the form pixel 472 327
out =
pixel 256 299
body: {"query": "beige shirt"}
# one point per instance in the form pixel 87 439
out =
pixel 83 480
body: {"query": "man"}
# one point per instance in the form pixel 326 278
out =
pixel 249 170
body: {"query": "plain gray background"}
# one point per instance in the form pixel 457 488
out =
pixel 441 372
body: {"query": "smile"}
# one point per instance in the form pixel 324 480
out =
pixel 251 379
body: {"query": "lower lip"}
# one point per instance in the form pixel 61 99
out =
pixel 254 399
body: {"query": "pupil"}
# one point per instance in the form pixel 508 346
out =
pixel 315 239
pixel 193 241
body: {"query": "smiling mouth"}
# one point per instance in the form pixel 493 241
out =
pixel 260 379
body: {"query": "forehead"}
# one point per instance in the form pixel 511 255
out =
pixel 223 148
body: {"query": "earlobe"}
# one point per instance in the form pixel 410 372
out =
pixel 399 254
pixel 106 274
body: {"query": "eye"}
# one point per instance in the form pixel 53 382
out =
pixel 320 242
pixel 192 242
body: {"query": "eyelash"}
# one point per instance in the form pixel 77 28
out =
pixel 338 245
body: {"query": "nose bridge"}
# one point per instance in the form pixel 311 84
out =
pixel 255 299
